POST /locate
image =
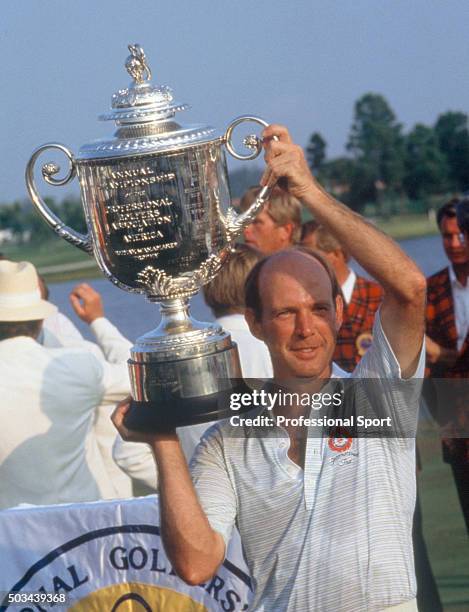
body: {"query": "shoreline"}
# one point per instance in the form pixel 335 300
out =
pixel 57 261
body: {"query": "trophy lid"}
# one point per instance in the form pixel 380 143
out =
pixel 144 115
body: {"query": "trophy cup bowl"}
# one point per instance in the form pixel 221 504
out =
pixel 157 204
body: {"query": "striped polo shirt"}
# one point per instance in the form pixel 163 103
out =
pixel 336 535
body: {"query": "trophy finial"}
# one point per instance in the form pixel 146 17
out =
pixel 136 64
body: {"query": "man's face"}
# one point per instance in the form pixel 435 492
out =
pixel 300 320
pixel 456 250
pixel 267 236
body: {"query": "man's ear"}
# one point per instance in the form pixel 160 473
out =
pixel 254 324
pixel 287 231
pixel 339 312
pixel 335 257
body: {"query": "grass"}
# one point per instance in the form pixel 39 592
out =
pixel 54 252
pixel 443 524
pixel 408 226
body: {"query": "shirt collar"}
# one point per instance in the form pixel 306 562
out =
pixel 454 279
pixel 348 285
pixel 17 341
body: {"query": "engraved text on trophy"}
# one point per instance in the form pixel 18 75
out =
pixel 161 211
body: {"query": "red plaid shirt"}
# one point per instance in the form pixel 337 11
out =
pixel 355 334
pixel 441 327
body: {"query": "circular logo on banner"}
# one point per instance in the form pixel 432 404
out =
pixel 363 342
pixel 124 568
pixel 136 597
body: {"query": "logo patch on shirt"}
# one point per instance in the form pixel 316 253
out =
pixel 340 445
pixel 342 448
pixel 363 342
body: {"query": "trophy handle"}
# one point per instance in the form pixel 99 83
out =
pixel 49 171
pixel 233 222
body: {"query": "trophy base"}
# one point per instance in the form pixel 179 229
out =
pixel 177 412
pixel 182 373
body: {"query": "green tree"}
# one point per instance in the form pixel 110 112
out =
pixel 453 137
pixel 363 186
pixel 35 224
pixel 426 169
pixel 72 214
pixel 12 217
pixel 336 174
pixel 316 152
pixel 376 143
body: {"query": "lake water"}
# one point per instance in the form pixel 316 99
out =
pixel 134 316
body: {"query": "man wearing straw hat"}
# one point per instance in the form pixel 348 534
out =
pixel 49 397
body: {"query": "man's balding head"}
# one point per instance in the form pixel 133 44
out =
pixel 288 258
pixel 294 305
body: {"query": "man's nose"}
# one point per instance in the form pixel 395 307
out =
pixel 304 324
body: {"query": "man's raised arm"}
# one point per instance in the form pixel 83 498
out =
pixel 193 547
pixel 403 308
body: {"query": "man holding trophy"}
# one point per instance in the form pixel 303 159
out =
pixel 325 523
pixel 310 542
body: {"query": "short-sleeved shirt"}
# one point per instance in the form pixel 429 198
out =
pixel 333 536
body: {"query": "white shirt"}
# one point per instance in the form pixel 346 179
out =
pixel 112 346
pixel 335 536
pixel 49 399
pixel 57 330
pixel 348 286
pixel 253 354
pixel 461 307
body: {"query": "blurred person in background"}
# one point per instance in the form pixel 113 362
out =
pixel 448 343
pixel 58 329
pixel 277 226
pixel 113 347
pixel 225 297
pixel 48 453
pixel 462 213
pixel 362 299
pixel 308 233
pixel 448 298
pixel 110 345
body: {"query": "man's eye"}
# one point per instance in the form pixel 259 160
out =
pixel 283 313
pixel 321 309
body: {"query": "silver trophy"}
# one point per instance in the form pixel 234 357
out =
pixel 157 205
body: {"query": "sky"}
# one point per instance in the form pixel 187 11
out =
pixel 302 63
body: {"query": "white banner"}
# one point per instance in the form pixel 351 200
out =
pixel 104 557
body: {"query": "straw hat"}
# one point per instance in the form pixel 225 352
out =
pixel 20 298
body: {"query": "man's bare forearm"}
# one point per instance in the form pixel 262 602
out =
pixel 194 548
pixel 375 251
